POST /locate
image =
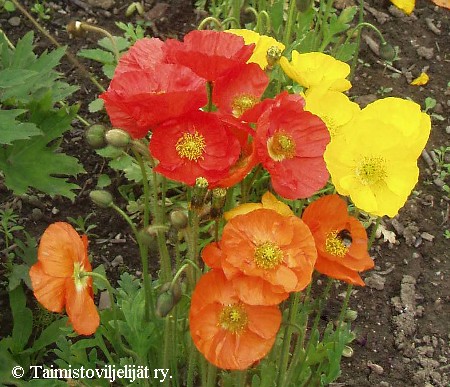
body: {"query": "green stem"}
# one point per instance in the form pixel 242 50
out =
pixel 210 19
pixel 209 90
pixel 284 357
pixel 90 27
pixel 192 365
pixel 344 305
pixel 373 233
pixel 145 188
pixel 127 219
pixel 111 292
pixel 358 41
pixel 236 11
pixel 289 23
pixel 212 375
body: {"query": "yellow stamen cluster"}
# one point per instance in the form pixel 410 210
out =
pixel 281 146
pixel 371 170
pixel 335 245
pixel 191 146
pixel 242 103
pixel 233 318
pixel 268 256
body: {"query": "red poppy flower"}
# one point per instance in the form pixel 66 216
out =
pixel 137 101
pixel 57 277
pixel 240 89
pixel 145 54
pixel 341 240
pixel 229 333
pixel 210 54
pixel 266 255
pixel 290 143
pixel 198 144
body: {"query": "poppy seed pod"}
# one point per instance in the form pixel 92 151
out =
pixel 95 136
pixel 218 199
pixel 199 193
pixel 387 52
pixel 118 138
pixel 101 198
pixel 273 56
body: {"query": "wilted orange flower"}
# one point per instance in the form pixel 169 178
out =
pixel 266 255
pixel 57 278
pixel 341 240
pixel 229 333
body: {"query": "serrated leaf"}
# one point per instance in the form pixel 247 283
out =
pixel 108 70
pixel 19 273
pixel 12 130
pixel 34 164
pixel 23 320
pixel 121 43
pixel 96 54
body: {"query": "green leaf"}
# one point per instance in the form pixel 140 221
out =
pixel 11 130
pixel 96 105
pixel 103 181
pixel 121 43
pixel 19 273
pixel 98 55
pixel 9 6
pixel 23 320
pixel 36 164
pixel 108 70
pixel 49 335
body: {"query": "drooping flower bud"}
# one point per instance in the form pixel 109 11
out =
pixel 218 199
pixel 101 198
pixel 387 52
pixel 118 138
pixel 273 56
pixel 351 315
pixel 178 219
pixel 95 136
pixel 168 297
pixel 74 29
pixel 199 193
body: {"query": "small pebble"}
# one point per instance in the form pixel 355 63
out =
pixel 14 21
pixel 117 261
pixel 375 367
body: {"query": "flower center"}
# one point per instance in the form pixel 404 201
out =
pixel 78 277
pixel 281 146
pixel 370 170
pixel 268 255
pixel 233 318
pixel 242 103
pixel 191 146
pixel 335 244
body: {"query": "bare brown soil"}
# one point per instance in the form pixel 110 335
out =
pixel 403 329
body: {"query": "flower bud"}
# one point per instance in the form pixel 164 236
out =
pixel 199 193
pixel 218 199
pixel 273 56
pixel 387 52
pixel 351 315
pixel 178 219
pixel 95 136
pixel 141 148
pixel 303 5
pixel 74 29
pixel 168 297
pixel 118 138
pixel 101 198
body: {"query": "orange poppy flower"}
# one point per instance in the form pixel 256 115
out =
pixel 341 240
pixel 229 333
pixel 266 255
pixel 57 277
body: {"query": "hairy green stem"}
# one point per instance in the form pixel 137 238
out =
pixel 145 188
pixel 290 22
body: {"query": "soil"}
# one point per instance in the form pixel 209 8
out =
pixel 403 318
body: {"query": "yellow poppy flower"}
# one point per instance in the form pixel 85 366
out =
pixel 403 116
pixel 317 69
pixel 268 201
pixel 333 108
pixel 262 44
pixel 407 6
pixel 372 165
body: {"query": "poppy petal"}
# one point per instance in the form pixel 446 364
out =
pixel 48 290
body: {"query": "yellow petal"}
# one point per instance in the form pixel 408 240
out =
pixel 422 79
pixel 407 6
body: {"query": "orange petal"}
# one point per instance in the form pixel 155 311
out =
pixel 442 3
pixel 49 291
pixel 257 291
pixel 59 248
pixel 264 320
pixel 213 256
pixel 334 270
pixel 81 309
